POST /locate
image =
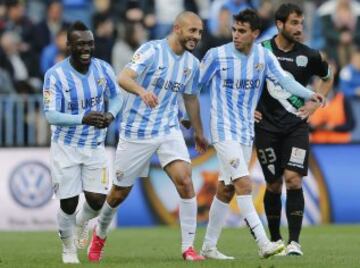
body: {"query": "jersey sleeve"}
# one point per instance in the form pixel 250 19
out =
pixel 319 65
pixel 207 69
pixel 52 94
pixel 273 69
pixel 142 58
pixel 192 86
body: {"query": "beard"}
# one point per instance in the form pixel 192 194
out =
pixel 290 38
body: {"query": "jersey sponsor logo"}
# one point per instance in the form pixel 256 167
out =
pixel 246 84
pixel 85 104
pixel 30 184
pixel 302 61
pixel 168 85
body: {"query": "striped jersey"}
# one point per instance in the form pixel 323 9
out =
pixel 236 82
pixel 166 74
pixel 67 91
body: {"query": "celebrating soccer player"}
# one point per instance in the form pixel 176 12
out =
pixel 158 72
pixel 73 96
pixel 235 73
pixel 281 136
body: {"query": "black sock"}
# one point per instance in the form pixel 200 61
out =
pixel 272 203
pixel 294 213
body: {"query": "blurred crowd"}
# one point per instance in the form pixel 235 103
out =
pixel 33 36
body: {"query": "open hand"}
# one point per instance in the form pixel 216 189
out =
pixel 149 98
pixel 96 119
pixel 201 143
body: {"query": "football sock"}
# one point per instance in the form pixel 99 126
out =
pixel 66 224
pixel 187 216
pixel 85 214
pixel 252 220
pixel 217 214
pixel 105 217
pixel 272 204
pixel 294 212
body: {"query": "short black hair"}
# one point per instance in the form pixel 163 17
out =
pixel 76 26
pixel 250 16
pixel 284 11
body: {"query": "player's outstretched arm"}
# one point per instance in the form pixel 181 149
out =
pixel 127 80
pixel 193 110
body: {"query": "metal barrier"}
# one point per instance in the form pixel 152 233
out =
pixel 22 122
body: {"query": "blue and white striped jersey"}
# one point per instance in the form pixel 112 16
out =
pixel 67 91
pixel 236 82
pixel 166 74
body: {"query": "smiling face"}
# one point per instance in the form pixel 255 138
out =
pixel 189 32
pixel 292 29
pixel 81 48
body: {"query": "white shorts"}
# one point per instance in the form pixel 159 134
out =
pixel 133 157
pixel 74 170
pixel 234 159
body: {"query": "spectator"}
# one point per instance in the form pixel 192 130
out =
pixel 20 65
pixel 340 24
pixel 334 122
pixel 19 23
pixel 54 52
pixel 349 80
pixel 48 28
pixel 104 36
pixel 125 46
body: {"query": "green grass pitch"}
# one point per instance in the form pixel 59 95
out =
pixel 323 246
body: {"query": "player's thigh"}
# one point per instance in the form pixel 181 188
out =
pixel 172 148
pixel 296 150
pixel 132 160
pixel 269 154
pixel 233 160
pixel 95 172
pixel 65 171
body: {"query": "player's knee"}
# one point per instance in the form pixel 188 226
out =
pixel 243 186
pixel 117 195
pixel 69 205
pixel 293 180
pixel 226 193
pixel 184 185
pixel 95 201
pixel 274 187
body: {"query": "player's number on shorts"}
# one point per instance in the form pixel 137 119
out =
pixel 267 156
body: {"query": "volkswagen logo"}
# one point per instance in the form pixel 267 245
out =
pixel 30 184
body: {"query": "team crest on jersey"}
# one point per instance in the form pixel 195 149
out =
pixel 101 82
pixel 136 58
pixel 47 96
pixel 187 71
pixel 235 162
pixel 259 67
pixel 301 61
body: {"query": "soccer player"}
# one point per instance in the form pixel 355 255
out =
pixel 235 73
pixel 73 95
pixel 158 72
pixel 281 136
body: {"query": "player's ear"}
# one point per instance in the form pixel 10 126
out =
pixel 256 33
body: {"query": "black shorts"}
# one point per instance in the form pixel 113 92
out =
pixel 279 151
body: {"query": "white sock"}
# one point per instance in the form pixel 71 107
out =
pixel 105 217
pixel 249 214
pixel 187 216
pixel 217 214
pixel 85 214
pixel 66 224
